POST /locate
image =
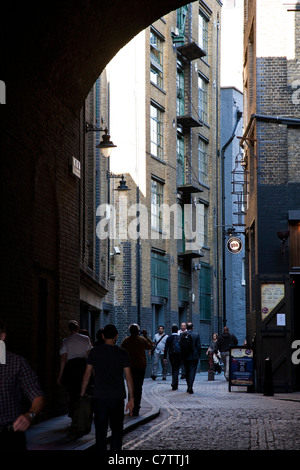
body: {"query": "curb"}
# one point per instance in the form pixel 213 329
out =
pixel 129 426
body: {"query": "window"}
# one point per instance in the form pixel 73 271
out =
pixel 156 59
pixel 156 129
pixel 205 292
pixel 156 204
pixel 180 90
pixel 203 32
pixel 180 159
pixel 180 228
pixel 181 23
pixel 202 98
pixel 183 284
pixel 203 219
pixel 202 161
pixel 159 274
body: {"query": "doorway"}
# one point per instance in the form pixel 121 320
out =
pixel 296 321
pixel 158 317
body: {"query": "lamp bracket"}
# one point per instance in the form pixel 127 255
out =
pixel 112 175
pixel 92 128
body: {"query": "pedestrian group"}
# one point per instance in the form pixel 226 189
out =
pixel 93 375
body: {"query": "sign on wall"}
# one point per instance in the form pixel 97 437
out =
pixel 75 167
pixel 234 245
pixel 271 295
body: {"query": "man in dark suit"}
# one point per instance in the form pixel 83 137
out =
pixel 191 360
pixel 172 349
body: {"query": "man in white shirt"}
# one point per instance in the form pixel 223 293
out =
pixel 74 351
pixel 159 344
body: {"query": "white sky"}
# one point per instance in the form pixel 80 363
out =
pixel 232 44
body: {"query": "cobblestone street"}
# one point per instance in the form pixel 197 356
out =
pixel 215 419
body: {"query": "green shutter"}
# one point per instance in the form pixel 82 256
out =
pixel 205 292
pixel 159 275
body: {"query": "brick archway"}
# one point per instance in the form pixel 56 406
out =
pixel 66 45
pixel 52 53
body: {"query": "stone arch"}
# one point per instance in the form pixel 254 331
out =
pixel 66 45
pixel 53 53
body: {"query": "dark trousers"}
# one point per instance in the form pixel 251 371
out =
pixel 111 414
pixel 190 372
pixel 11 440
pixel 138 380
pixel 72 378
pixel 175 364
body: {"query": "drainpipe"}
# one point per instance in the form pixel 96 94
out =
pixel 271 119
pixel 239 115
pixel 219 306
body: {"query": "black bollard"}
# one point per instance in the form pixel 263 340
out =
pixel 268 380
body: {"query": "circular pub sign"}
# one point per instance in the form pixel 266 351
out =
pixel 234 245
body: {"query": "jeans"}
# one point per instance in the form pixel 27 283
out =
pixel 156 358
pixel 109 413
pixel 225 360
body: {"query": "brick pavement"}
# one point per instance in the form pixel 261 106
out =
pixel 215 419
pixel 211 419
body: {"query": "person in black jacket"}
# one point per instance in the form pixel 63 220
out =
pixel 192 359
pixel 225 341
pixel 172 349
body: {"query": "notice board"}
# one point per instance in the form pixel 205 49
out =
pixel 241 370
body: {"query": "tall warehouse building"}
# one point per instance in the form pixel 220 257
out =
pixel 158 231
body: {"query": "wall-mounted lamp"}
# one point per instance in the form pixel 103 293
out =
pixel 229 232
pixel 116 251
pixel 283 236
pixel 122 184
pixel 106 145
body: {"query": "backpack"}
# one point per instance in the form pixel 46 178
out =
pixel 174 347
pixel 186 345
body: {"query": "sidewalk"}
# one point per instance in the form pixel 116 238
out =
pixel 52 434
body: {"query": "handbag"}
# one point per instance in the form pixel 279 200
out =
pixel 83 415
pixel 153 349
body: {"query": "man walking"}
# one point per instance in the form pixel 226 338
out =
pixel 173 350
pixel 224 342
pixel 17 379
pixel 136 345
pixel 109 362
pixel 74 351
pixel 158 357
pixel 182 330
pixel 191 351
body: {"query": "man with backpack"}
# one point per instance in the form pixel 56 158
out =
pixel 190 345
pixel 173 349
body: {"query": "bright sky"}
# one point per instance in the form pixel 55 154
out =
pixel 232 44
